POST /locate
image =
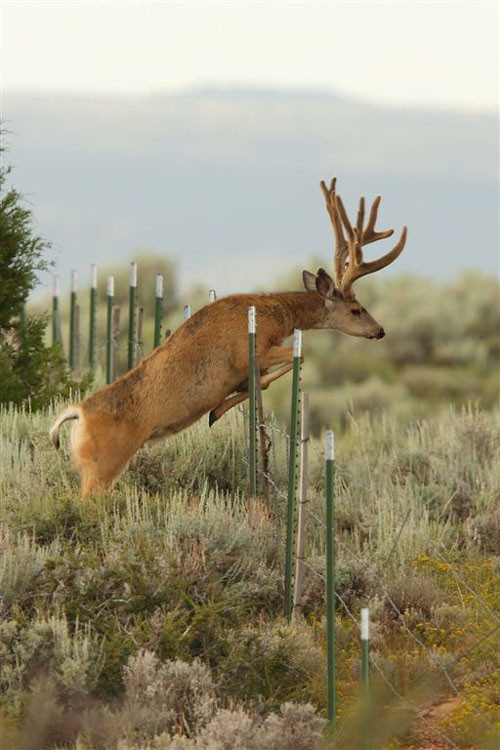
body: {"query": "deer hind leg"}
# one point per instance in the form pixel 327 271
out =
pixel 100 461
pixel 232 401
pixel 100 475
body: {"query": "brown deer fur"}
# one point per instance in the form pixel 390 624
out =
pixel 196 370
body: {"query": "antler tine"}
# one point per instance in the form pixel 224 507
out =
pixel 361 218
pixel 357 267
pixel 356 252
pixel 385 260
pixel 341 246
pixel 343 214
pixel 369 234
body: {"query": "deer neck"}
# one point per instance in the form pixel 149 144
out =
pixel 306 310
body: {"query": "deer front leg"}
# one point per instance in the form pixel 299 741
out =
pixel 274 356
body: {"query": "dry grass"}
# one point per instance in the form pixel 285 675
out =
pixel 151 617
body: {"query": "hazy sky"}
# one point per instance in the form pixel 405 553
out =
pixel 437 53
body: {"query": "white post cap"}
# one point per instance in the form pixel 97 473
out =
pixel 329 446
pixel 55 286
pixel 365 624
pixel 74 281
pixel 93 276
pixel 159 285
pixel 297 342
pixel 252 319
pixel 187 311
pixel 133 274
pixel 111 286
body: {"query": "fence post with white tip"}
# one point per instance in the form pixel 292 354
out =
pixel 365 651
pixel 211 295
pixel 109 329
pixel 330 572
pixel 132 315
pixel 252 391
pixel 365 671
pixel 186 312
pixel 292 472
pixel 158 310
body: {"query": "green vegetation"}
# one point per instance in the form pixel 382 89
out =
pixel 151 617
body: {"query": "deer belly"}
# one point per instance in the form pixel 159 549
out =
pixel 202 388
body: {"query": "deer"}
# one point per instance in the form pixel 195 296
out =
pixel 202 368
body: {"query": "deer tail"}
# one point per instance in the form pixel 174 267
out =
pixel 71 413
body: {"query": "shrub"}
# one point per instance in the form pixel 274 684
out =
pixel 45 645
pixel 169 696
pixel 229 729
pixel 272 664
pixel 415 594
pixel 296 727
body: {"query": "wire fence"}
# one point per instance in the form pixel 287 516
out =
pixel 377 577
pixel 135 349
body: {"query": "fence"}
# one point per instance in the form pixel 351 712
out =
pixel 368 660
pixel 261 482
pixel 298 445
pixel 112 325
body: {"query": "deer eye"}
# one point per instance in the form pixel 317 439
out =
pixel 356 312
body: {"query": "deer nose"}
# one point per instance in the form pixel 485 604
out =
pixel 381 333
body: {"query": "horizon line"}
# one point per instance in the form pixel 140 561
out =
pixel 256 89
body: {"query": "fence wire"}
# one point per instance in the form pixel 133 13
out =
pixel 282 496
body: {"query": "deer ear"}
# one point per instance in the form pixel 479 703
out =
pixel 325 284
pixel 309 280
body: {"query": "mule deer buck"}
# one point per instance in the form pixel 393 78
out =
pixel 203 367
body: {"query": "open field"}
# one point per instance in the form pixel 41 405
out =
pixel 155 611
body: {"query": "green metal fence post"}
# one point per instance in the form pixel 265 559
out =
pixel 131 315
pixel 93 316
pixel 55 310
pixel 298 583
pixel 158 310
pixel 78 339
pixel 292 473
pixel 109 330
pixel 330 572
pixel 365 672
pixel 252 375
pixel 72 321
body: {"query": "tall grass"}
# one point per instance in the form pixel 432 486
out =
pixel 151 615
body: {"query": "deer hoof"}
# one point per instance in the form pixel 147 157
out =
pixel 212 418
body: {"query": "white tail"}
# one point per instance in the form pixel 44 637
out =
pixel 71 413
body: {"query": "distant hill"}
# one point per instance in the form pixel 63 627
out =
pixel 227 181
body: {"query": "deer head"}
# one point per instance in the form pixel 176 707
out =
pixel 342 310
